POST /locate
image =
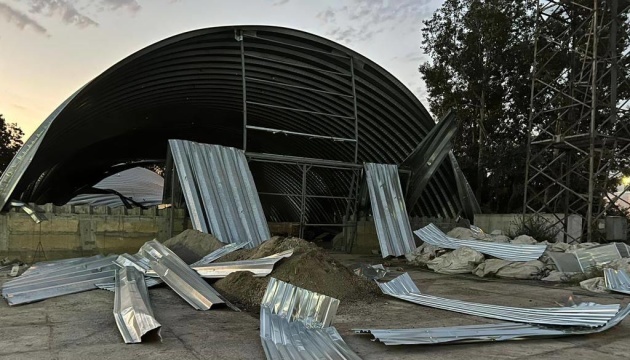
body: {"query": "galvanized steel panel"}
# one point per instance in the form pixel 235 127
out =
pixel 295 324
pixel 258 267
pixel 68 278
pixel 132 307
pixel 597 256
pixel 389 210
pixel 617 280
pixel 219 253
pixel 220 192
pixel 484 332
pixel 591 315
pixel 431 234
pixel 176 274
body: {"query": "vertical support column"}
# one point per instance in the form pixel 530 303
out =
pixel 241 39
pixel 171 211
pixel 591 152
pixel 356 113
pixel 305 169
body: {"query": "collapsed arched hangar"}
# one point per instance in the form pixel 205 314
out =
pixel 197 86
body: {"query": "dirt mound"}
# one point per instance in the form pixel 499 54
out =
pixel 310 267
pixel 192 245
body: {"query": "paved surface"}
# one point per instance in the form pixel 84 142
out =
pixel 81 326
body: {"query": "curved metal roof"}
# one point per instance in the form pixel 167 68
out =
pixel 190 86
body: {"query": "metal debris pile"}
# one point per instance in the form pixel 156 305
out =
pixel 523 257
pixel 130 276
pixel 524 323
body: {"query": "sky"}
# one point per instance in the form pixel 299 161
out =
pixel 50 48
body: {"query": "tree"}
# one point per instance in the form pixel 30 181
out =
pixel 480 62
pixel 10 142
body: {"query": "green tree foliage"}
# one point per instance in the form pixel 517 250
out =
pixel 10 142
pixel 481 54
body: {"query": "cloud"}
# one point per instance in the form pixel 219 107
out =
pixel 63 9
pixel 20 19
pixel 131 5
pixel 362 19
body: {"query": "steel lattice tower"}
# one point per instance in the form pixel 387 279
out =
pixel 579 118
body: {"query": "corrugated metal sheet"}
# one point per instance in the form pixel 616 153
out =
pixel 389 210
pixel 219 253
pixel 176 274
pixel 597 256
pixel 617 280
pixel 132 307
pixel 141 185
pixel 220 192
pixel 295 324
pixel 431 234
pixel 483 333
pixel 67 277
pixel 138 262
pixel 591 315
pixel 258 267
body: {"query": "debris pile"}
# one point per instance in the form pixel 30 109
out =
pixel 520 258
pixel 192 245
pixel 310 267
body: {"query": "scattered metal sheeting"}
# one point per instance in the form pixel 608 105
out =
pixel 220 192
pixel 37 217
pixel 132 308
pixel 597 256
pixel 431 234
pixel 370 272
pixel 617 280
pixel 220 253
pixel 483 333
pixel 591 315
pixel 295 324
pixel 76 277
pixel 138 262
pixel 258 267
pixel 181 278
pixel 389 210
pixel 565 262
pixel 47 267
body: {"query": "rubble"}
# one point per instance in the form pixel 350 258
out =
pixel 596 285
pixel 310 267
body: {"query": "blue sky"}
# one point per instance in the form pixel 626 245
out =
pixel 50 48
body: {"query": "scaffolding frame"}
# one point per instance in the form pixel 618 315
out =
pixel 578 125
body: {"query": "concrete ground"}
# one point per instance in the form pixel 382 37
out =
pixel 81 326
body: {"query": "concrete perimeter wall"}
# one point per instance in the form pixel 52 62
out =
pixel 73 231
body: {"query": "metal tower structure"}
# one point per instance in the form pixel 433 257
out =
pixel 579 138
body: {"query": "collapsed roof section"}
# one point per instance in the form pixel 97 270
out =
pixel 198 85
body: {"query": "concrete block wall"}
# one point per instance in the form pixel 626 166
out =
pixel 73 231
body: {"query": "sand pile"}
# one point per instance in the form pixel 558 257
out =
pixel 310 267
pixel 192 245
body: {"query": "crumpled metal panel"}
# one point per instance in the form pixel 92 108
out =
pixel 219 253
pixel 132 307
pixel 389 210
pixel 597 256
pixel 220 192
pixel 181 278
pixel 36 216
pixel 295 324
pixel 617 280
pixel 138 262
pixel 68 278
pixel 142 186
pixel 258 267
pixel 431 234
pixel 483 333
pixel 591 315
pixel 565 262
pixel 370 272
